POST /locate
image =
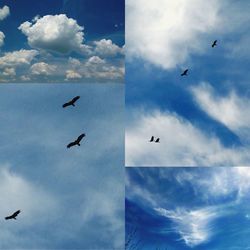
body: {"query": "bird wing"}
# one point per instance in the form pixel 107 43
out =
pixel 16 213
pixel 7 218
pixel 152 138
pixel 71 144
pixel 66 104
pixel 80 137
pixel 75 99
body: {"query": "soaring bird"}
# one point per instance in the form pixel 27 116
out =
pixel 13 216
pixel 76 142
pixel 214 43
pixel 71 103
pixel 184 72
pixel 157 140
pixel 152 139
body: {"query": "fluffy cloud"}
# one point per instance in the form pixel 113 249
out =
pixel 231 110
pixel 56 33
pixel 165 32
pixel 182 144
pixel 4 12
pixel 42 68
pixel 17 58
pixel 71 75
pixel 106 47
pixel 2 36
pixel 9 72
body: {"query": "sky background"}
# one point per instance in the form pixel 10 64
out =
pixel 188 208
pixel 62 41
pixel 203 118
pixel 69 198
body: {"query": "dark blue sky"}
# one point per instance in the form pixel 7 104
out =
pixel 188 208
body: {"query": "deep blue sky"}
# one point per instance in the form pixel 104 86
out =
pixel 204 208
pixel 69 198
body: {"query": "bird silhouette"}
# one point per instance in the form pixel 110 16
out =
pixel 76 142
pixel 152 139
pixel 71 103
pixel 184 73
pixel 214 43
pixel 157 140
pixel 13 216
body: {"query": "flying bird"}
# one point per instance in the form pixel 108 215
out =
pixel 76 142
pixel 71 103
pixel 152 139
pixel 184 72
pixel 157 140
pixel 13 216
pixel 214 43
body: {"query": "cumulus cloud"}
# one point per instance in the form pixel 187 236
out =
pixel 4 12
pixel 2 36
pixel 231 110
pixel 166 32
pixel 71 75
pixel 182 144
pixel 56 33
pixel 9 72
pixel 106 47
pixel 42 68
pixel 17 58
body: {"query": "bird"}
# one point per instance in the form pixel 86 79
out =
pixel 184 72
pixel 13 216
pixel 152 139
pixel 76 142
pixel 157 140
pixel 214 43
pixel 71 103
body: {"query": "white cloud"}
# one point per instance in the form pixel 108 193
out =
pixel 42 68
pixel 2 36
pixel 18 193
pixel 4 12
pixel 166 32
pixel 231 110
pixel 17 58
pixel 194 226
pixel 71 75
pixel 181 144
pixel 56 33
pixel 106 48
pixel 9 72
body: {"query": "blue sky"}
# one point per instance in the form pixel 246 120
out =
pixel 188 208
pixel 202 119
pixel 69 198
pixel 62 41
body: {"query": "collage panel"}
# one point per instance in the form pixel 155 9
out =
pixel 187 83
pixel 62 166
pixel 63 41
pixel 187 208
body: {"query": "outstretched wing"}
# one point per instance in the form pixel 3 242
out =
pixel 80 138
pixel 16 213
pixel 152 138
pixel 66 104
pixel 75 99
pixel 71 144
